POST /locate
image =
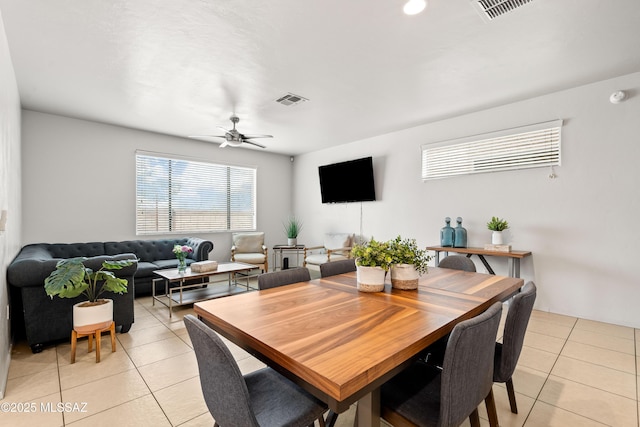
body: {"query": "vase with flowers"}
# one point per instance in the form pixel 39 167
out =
pixel 181 252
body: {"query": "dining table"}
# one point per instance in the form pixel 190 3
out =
pixel 341 344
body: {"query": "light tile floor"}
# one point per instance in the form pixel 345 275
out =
pixel 572 372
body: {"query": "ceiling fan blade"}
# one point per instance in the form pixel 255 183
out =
pixel 253 143
pixel 256 136
pixel 221 128
pixel 224 144
pixel 207 136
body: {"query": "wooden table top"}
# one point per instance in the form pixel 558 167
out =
pixel 341 344
pixel 480 251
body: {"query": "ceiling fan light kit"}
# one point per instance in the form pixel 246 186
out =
pixel 234 138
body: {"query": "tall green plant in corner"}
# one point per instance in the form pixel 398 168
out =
pixel 71 279
pixel 292 227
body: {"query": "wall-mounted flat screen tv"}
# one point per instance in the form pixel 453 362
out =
pixel 350 181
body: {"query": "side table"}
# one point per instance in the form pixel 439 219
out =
pixel 279 249
pixel 91 334
pixel 514 257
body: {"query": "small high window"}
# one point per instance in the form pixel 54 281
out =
pixel 519 148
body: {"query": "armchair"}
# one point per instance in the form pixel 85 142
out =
pixel 249 248
pixel 336 246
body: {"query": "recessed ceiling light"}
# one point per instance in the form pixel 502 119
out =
pixel 413 7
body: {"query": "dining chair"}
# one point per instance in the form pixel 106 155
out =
pixel 283 277
pixel 337 267
pixel 424 395
pixel 260 398
pixel 458 262
pixel 508 352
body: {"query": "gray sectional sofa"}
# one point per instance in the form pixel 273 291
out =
pixel 45 320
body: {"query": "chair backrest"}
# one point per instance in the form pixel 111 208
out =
pixel 337 267
pixel 223 386
pixel 283 277
pixel 514 329
pixel 458 262
pixel 338 241
pixel 467 370
pixel 248 242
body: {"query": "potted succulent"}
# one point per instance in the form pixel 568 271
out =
pixel 372 262
pixel 497 226
pixel 292 228
pixel 72 278
pixel 408 262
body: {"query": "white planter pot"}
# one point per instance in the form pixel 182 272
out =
pixel 292 241
pixel 92 318
pixel 370 279
pixel 404 276
pixel 496 238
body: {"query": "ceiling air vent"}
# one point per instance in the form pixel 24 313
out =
pixel 490 9
pixel 290 99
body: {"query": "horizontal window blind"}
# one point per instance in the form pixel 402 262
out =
pixel 520 148
pixel 177 195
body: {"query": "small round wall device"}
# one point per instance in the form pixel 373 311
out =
pixel 617 97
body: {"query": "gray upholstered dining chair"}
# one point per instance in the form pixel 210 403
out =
pixel 458 262
pixel 424 395
pixel 337 267
pixel 261 398
pixel 508 352
pixel 283 277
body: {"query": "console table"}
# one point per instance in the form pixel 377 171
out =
pixel 514 256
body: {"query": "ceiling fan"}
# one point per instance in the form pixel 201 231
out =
pixel 234 138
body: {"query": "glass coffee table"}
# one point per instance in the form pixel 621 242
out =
pixel 180 288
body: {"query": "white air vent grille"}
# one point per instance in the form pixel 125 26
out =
pixel 520 148
pixel 490 9
pixel 291 99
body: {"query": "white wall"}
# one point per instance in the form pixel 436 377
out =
pixel 9 192
pixel 79 181
pixel 581 226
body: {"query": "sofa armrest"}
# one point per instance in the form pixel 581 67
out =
pixel 201 248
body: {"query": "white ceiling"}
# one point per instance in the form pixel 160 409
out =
pixel 181 67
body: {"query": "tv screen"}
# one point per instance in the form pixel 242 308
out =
pixel 350 181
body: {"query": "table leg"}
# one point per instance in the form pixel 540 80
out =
pixel 514 267
pixel 437 260
pixel 486 264
pixel 368 411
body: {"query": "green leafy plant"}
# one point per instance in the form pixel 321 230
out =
pixel 406 251
pixel 292 227
pixel 497 224
pixel 372 254
pixel 71 279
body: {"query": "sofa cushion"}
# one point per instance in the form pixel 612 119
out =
pixel 146 269
pixel 74 250
pixel 317 259
pixel 250 258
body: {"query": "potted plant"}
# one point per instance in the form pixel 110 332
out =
pixel 292 228
pixel 497 226
pixel 72 278
pixel 408 262
pixel 372 263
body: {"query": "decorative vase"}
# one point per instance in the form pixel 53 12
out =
pixel 459 235
pixel 182 265
pixel 446 234
pixel 404 276
pixel 292 241
pixel 89 317
pixel 496 238
pixel 370 279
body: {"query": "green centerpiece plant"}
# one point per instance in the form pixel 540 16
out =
pixel 406 251
pixel 373 260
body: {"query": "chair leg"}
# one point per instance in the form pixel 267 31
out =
pixel 492 413
pixel 474 418
pixel 512 396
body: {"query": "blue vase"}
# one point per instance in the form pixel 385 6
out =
pixel 446 234
pixel 460 235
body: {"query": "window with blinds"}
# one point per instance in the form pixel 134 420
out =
pixel 177 195
pixel 519 148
